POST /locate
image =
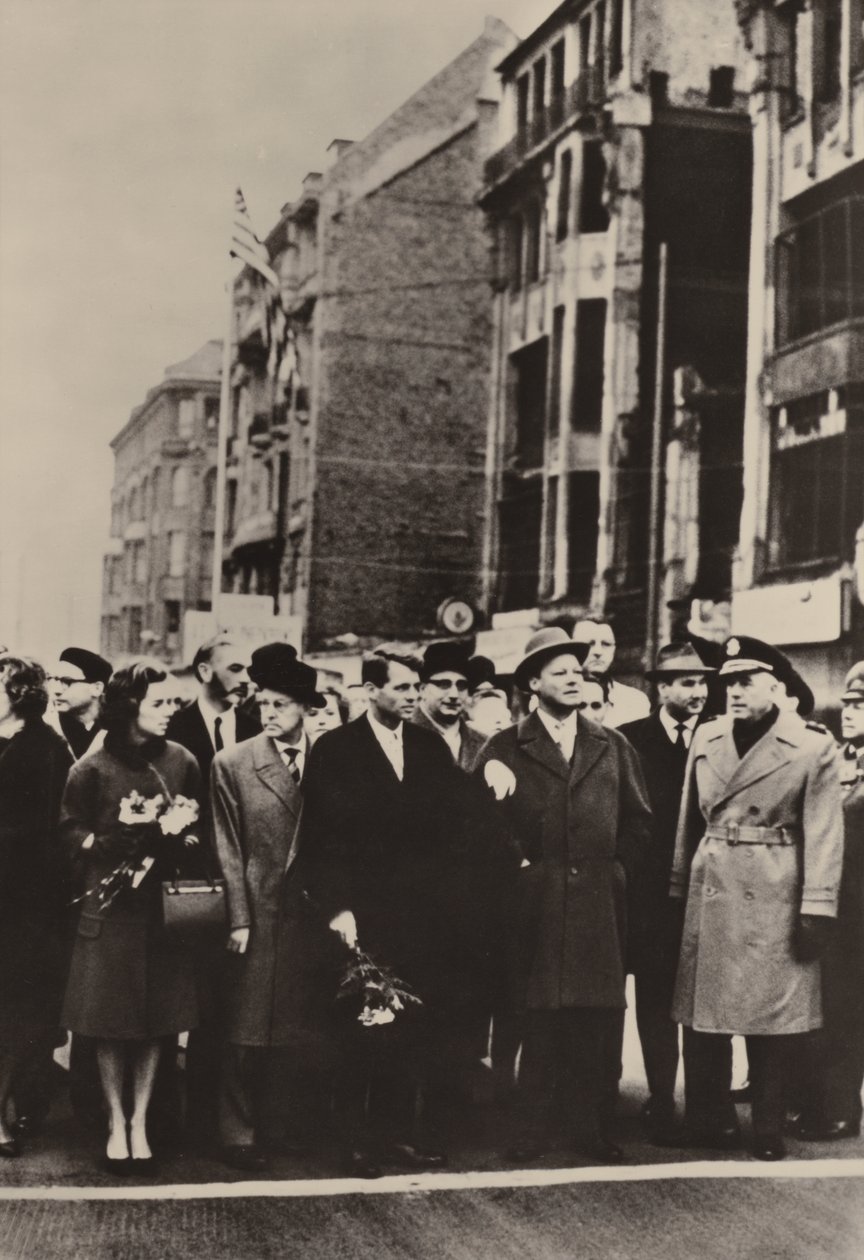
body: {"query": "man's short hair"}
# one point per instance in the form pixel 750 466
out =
pixel 596 619
pixel 603 681
pixel 375 668
pixel 205 652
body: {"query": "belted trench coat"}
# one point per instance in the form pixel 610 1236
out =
pixel 737 972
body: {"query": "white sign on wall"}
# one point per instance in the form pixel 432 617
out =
pixel 793 612
pixel 253 629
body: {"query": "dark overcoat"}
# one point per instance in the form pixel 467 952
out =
pixel 129 978
pixel 578 830
pixel 276 993
pixel 738 972
pixel 379 847
pixel 34 889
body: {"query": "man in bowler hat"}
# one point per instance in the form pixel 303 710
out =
pixel 274 989
pixel 662 741
pixel 573 807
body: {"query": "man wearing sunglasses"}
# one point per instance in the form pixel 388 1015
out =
pixel 445 685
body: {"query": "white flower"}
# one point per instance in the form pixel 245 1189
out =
pixel 180 814
pixel 380 1015
pixel 136 808
pixel 500 779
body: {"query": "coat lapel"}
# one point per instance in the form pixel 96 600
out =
pixel 273 772
pixel 536 742
pixel 591 742
pixel 766 756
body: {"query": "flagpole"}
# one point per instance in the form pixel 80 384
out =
pixel 222 452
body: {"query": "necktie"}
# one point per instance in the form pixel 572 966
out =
pixel 218 743
pixel 680 741
pixel 289 756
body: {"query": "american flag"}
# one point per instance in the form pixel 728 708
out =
pixel 246 246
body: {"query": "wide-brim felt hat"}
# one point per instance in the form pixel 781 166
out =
pixel 543 646
pixel 276 667
pixel 678 658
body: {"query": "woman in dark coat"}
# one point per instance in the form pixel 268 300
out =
pixel 130 983
pixel 34 762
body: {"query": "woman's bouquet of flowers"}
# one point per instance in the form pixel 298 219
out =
pixel 147 828
pixel 382 995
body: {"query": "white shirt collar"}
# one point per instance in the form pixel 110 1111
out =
pixel 385 734
pixel 670 724
pixel 227 725
pixel 452 734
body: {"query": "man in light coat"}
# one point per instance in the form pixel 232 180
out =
pixel 275 993
pixel 574 810
pixel 758 857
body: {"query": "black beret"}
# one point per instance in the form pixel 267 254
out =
pixel 93 666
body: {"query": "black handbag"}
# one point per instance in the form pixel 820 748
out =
pixel 192 907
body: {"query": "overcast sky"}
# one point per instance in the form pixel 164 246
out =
pixel 125 126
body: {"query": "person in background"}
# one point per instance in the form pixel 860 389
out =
pixel 489 712
pixel 131 985
pixel 445 686
pixel 34 762
pixel 662 741
pixel 77 685
pixel 327 716
pixel 573 811
pixel 626 704
pixel 275 986
pixel 216 720
pixel 758 856
pixel 595 697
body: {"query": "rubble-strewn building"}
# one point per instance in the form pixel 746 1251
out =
pixel 358 480
pixel 799 577
pixel 622 126
pixel 160 557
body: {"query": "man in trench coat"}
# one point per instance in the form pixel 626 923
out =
pixel 276 993
pixel 574 808
pixel 758 857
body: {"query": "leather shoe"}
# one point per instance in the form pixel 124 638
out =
pixel 10 1149
pixel 116 1167
pixel 742 1095
pixel 144 1167
pixel 415 1157
pixel 829 1131
pixel 360 1164
pixel 770 1147
pixel 600 1150
pixel 27 1126
pixel 244 1158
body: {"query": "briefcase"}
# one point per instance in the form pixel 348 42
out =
pixel 192 907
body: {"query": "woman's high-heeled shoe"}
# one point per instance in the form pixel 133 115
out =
pixel 10 1149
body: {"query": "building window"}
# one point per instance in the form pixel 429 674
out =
pixel 230 507
pixel 583 527
pixel 180 486
pixel 616 38
pixel 550 535
pixel 565 181
pixel 136 625
pixel 176 553
pixel 589 374
pixel 600 44
pixel 519 515
pixel 522 90
pixel 139 571
pixel 584 44
pixel 539 92
pixel 172 616
pixel 593 212
pixel 556 83
pixel 155 488
pixel 817 493
pixel 211 414
pixel 555 370
pixel 721 89
pixel 515 250
pixel 529 372
pixel 820 271
pixel 533 241
pixel 828 68
pixel 210 489
pixel 186 418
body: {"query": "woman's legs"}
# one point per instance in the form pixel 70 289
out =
pixel 111 1057
pixel 145 1064
pixel 8 1063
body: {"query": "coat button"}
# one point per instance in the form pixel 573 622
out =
pixel 748 896
pixel 574 870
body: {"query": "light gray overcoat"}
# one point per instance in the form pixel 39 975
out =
pixel 737 971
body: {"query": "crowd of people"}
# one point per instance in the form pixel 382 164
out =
pixel 346 905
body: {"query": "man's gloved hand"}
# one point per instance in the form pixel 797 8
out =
pixel 812 936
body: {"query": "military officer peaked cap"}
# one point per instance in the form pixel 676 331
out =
pixel 541 647
pixel 745 655
pixel 275 667
pixel 678 658
pixel 854 686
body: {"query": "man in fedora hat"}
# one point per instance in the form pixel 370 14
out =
pixel 574 811
pixel 273 989
pixel 662 741
pixel 758 857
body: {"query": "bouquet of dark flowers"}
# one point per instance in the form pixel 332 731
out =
pixel 147 828
pixel 381 994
